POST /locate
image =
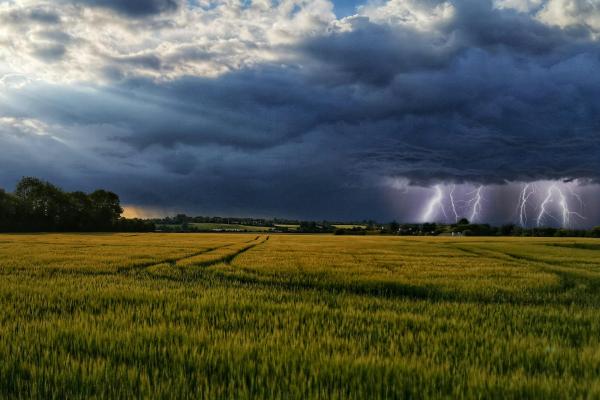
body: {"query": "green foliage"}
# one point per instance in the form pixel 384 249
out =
pixel 315 227
pixel 298 317
pixel 355 230
pixel 40 206
pixel 463 227
pixel 211 227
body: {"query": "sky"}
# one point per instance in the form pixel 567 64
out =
pixel 309 109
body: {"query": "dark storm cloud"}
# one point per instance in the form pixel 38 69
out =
pixel 246 109
pixel 44 16
pixel 498 96
pixel 133 8
pixel 179 162
pixel 145 61
pixel 39 15
pixel 56 36
pixel 478 24
pixel 50 53
pixel 487 96
pixel 374 54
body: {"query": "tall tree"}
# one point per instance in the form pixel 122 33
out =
pixel 8 211
pixel 105 209
pixel 41 206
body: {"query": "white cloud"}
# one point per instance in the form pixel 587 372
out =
pixel 92 44
pixel 567 13
pixel 561 13
pixel 519 5
pixel 416 14
pixel 23 126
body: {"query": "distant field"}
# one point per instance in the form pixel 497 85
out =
pixel 206 226
pixel 291 227
pixel 295 317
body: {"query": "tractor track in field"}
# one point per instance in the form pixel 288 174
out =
pixel 144 266
pixel 193 269
pixel 174 260
pixel 568 278
pixel 227 259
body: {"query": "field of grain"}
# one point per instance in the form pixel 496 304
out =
pixel 296 317
pixel 209 226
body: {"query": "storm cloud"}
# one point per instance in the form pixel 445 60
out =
pixel 132 8
pixel 300 113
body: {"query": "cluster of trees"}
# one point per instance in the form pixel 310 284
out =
pixel 182 219
pixel 315 227
pixel 333 227
pixel 307 226
pixel 38 206
pixel 464 227
pixel 355 230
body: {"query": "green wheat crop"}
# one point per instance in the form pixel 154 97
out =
pixel 297 317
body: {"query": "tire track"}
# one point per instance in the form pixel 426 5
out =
pixel 569 277
pixel 171 260
pixel 228 258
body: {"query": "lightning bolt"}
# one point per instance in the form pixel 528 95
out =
pixel 522 207
pixel 547 200
pixel 554 201
pixel 562 203
pixel 566 212
pixel 453 203
pixel 577 196
pixel 475 203
pixel 434 203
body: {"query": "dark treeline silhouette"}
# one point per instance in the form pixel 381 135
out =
pixel 465 228
pixel 181 219
pixel 182 223
pixel 38 206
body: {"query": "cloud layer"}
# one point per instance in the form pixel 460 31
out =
pixel 283 108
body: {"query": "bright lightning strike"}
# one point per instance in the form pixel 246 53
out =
pixel 577 196
pixel 544 205
pixel 453 203
pixel 523 199
pixel 563 204
pixel 475 204
pixel 541 203
pixel 434 204
pixel 566 212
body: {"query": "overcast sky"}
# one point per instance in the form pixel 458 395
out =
pixel 308 109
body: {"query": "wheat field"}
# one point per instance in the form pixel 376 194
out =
pixel 297 317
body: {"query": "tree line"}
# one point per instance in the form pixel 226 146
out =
pixel 39 206
pixel 465 228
